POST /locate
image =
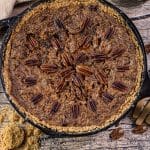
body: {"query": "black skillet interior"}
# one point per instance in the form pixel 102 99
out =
pixel 145 88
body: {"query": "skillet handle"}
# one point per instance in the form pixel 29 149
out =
pixel 6 23
pixel 145 90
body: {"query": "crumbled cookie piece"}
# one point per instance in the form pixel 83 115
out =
pixel 31 130
pixel 3 114
pixel 17 134
pixel 12 136
pixel 116 133
pixel 32 143
pixel 14 117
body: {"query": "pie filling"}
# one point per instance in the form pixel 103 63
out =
pixel 72 64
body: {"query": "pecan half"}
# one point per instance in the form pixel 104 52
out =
pixel 147 120
pixel 141 118
pixel 29 81
pixel 122 68
pixel 61 86
pixel 67 59
pixel 99 57
pixel 119 86
pixel 117 53
pixel 75 110
pixel 36 98
pixel 67 72
pixel 55 108
pixel 84 70
pixel 77 80
pixel 86 42
pixel 49 68
pixel 101 77
pixel 140 129
pixel 107 97
pixel 92 105
pixel 56 44
pixel 109 33
pixel 32 40
pixel 32 62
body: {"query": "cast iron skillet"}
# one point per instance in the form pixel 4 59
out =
pixel 145 81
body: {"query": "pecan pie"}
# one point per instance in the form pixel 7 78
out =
pixel 72 65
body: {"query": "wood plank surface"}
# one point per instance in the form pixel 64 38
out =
pixel 141 18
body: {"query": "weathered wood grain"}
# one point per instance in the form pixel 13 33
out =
pixel 101 140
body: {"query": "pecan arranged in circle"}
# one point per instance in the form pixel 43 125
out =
pixel 107 97
pixel 36 98
pixel 32 62
pixel 29 81
pixel 55 108
pixel 92 105
pixel 119 86
pixel 122 68
pixel 49 68
pixel 75 110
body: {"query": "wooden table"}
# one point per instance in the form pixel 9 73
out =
pixel 141 17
